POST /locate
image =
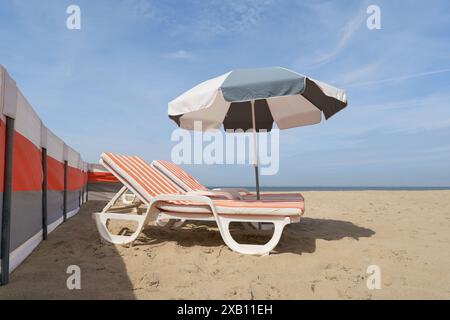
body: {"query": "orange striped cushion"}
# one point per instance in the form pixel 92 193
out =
pixel 186 181
pixel 148 178
pixel 139 173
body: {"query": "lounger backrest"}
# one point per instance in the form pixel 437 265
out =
pixel 179 176
pixel 138 175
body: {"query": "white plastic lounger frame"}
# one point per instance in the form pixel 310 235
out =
pixel 128 198
pixel 125 193
pixel 191 185
pixel 223 223
pixel 153 212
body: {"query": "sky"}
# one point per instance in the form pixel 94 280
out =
pixel 106 87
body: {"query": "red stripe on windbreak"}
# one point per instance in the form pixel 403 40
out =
pixel 74 179
pixel 101 177
pixel 55 174
pixel 2 152
pixel 27 165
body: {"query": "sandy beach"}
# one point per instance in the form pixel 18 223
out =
pixel 405 233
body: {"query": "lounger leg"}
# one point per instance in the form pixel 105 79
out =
pixel 125 200
pixel 101 219
pixel 178 223
pixel 170 223
pixel 224 227
pixel 223 223
pixel 114 199
pixel 261 226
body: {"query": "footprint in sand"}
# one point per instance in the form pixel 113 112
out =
pixel 148 282
pixel 314 285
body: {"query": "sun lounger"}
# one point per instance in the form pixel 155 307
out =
pixel 164 199
pixel 190 184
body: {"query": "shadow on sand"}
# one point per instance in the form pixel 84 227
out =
pixel 297 238
pixel 43 275
pixel 104 273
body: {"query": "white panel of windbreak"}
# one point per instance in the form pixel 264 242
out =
pixel 27 123
pixel 2 93
pixel 55 146
pixel 44 136
pixel 8 98
pixel 96 167
pixel 65 152
pixel 73 157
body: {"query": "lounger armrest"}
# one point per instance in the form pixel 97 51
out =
pixel 216 194
pixel 191 198
pixel 243 190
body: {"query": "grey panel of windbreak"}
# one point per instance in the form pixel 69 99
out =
pixel 73 200
pixel 99 191
pixel 54 206
pixel 26 216
pixel 105 187
pixel 1 206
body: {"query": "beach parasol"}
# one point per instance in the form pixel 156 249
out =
pixel 253 99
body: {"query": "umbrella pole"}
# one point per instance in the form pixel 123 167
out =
pixel 255 150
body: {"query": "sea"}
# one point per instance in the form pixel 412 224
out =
pixel 345 188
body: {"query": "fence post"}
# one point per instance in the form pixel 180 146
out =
pixel 65 191
pixel 87 184
pixel 7 194
pixel 44 194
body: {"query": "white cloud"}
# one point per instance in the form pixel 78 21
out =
pixel 230 16
pixel 345 35
pixel 205 19
pixel 373 160
pixel 147 10
pixel 401 78
pixel 359 73
pixel 180 55
pixel 329 33
pixel 421 127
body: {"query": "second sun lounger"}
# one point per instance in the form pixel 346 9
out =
pixel 189 183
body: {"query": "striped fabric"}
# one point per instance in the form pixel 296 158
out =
pixel 189 183
pixel 148 178
pixel 184 179
pixel 138 173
